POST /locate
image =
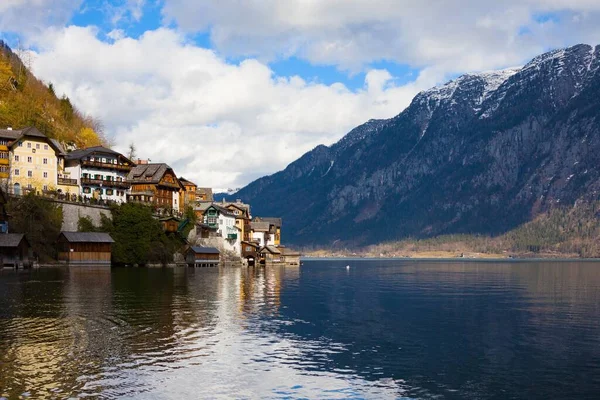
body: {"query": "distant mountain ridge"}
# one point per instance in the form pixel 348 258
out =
pixel 481 154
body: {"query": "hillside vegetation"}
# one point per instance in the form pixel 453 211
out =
pixel 27 101
pixel 560 232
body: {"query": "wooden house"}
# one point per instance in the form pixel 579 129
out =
pixel 85 248
pixel 250 252
pixel 289 256
pixel 269 255
pixel 187 197
pixel 170 224
pixel 155 184
pixel 204 194
pixel 197 256
pixel 15 250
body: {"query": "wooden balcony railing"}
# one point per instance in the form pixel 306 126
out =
pixel 66 181
pixel 106 183
pixel 99 164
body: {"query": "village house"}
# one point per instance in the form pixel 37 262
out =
pixel 250 252
pixel 170 224
pixel 242 217
pixel 84 248
pixel 187 197
pixel 224 221
pixel 200 208
pixel 28 160
pixel 155 184
pixel 100 172
pixel 204 194
pixel 266 231
pixel 197 256
pixel 15 250
pixel 269 255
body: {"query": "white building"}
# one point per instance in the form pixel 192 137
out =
pixel 224 221
pixel 100 172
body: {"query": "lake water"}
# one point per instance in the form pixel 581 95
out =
pixel 381 329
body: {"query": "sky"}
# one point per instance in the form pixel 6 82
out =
pixel 227 91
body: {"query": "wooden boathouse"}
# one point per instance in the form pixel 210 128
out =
pixel 197 256
pixel 85 248
pixel 15 250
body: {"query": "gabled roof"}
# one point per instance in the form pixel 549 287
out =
pixel 87 237
pixel 222 210
pixel 207 191
pixel 253 244
pixel 17 135
pixel 83 153
pixel 259 226
pixel 56 143
pixel 270 220
pixel 154 172
pixel 11 239
pixel 169 218
pixel 204 250
pixel 186 182
pixel 202 205
pixel 270 249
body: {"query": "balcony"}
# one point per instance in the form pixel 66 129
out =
pixel 105 183
pixel 232 236
pixel 99 164
pixel 66 181
pixel 169 185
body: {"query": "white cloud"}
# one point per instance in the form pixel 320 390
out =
pixel 217 123
pixel 458 35
pixel 28 17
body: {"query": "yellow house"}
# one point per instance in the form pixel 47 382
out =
pixel 33 160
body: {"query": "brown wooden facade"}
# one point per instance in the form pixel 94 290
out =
pixel 202 257
pixel 84 248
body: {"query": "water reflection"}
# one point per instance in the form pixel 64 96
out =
pixel 380 329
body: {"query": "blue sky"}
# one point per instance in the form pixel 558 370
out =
pixel 202 84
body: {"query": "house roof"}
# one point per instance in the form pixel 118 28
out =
pixel 222 210
pixel 202 205
pixel 204 250
pixel 270 220
pixel 253 244
pixel 82 153
pixel 186 182
pixel 61 150
pixel 207 191
pixel 288 252
pixel 169 218
pixel 31 131
pixel 155 172
pixel 259 226
pixel 87 237
pixel 11 239
pixel 270 249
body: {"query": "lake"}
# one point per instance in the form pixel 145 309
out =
pixel 380 329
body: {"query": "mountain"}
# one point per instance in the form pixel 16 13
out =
pixel 481 154
pixel 27 101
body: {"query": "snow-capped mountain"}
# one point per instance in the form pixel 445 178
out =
pixel 480 154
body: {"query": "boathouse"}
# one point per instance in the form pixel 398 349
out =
pixel 85 248
pixel 250 252
pixel 197 256
pixel 15 250
pixel 269 255
pixel 289 256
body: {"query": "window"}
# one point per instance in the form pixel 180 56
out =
pixel 29 186
pixel 45 188
pixel 45 147
pixel 45 174
pixel 109 192
pixel 28 145
pixel 220 222
pixel 29 159
pixel 30 174
pixel 20 144
pixel 16 172
pixel 3 155
pixel 16 157
pixel 86 190
pixel 211 220
pixel 37 145
pixel 45 161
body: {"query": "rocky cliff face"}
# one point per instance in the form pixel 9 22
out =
pixel 480 154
